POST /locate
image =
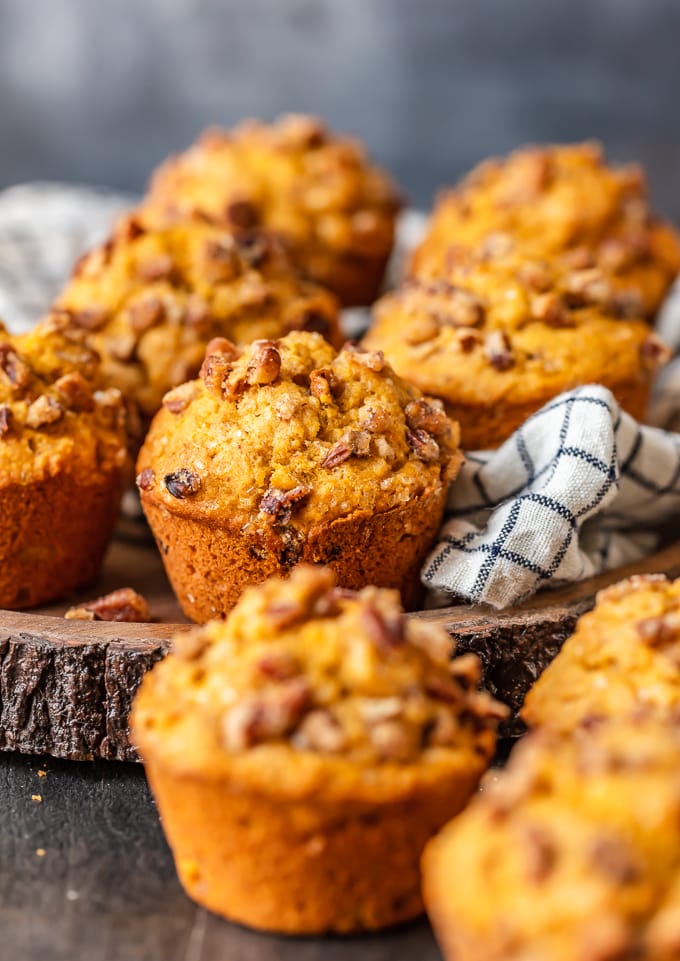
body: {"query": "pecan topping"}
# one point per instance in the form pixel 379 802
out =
pixel 462 309
pixel 498 350
pixel 178 400
pixel 443 689
pixel 44 410
pixel 320 731
pixel 219 357
pixel 182 483
pixel 443 731
pixel 5 420
pixel 221 259
pixel 588 287
pixel 146 314
pixel 90 318
pixel 428 415
pixel 157 268
pixel 579 258
pixel 146 479
pixel 293 542
pixel 468 338
pixel 549 309
pixel 541 854
pixel 15 371
pixel 496 244
pixel 654 351
pixel 325 385
pixel 534 275
pixel 130 228
pixel 612 857
pixel 280 504
pixel 467 668
pixel 627 304
pixel 123 347
pixel 386 632
pixel 658 631
pixel 265 364
pixel 76 391
pixel 121 605
pixel 393 740
pixel 375 420
pixel 423 445
pixel 278 665
pixel 255 248
pixel 269 714
pixel 636 582
pixel 373 710
pixel 372 359
pixel 242 214
pixel 353 443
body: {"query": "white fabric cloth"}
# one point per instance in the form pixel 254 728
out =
pixel 579 489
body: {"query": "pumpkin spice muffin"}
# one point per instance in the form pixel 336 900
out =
pixel 303 752
pixel 499 337
pixel 62 461
pixel 287 451
pixel 623 655
pixel 572 855
pixel 151 300
pixel 560 202
pixel 316 189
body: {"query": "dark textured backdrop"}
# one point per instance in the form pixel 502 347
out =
pixel 100 90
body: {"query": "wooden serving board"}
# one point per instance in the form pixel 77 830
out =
pixel 66 686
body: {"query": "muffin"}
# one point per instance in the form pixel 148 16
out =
pixel 303 752
pixel 499 337
pixel 150 300
pixel 287 451
pixel 623 655
pixel 572 855
pixel 559 202
pixel 62 461
pixel 319 191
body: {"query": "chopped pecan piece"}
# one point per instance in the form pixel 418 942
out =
pixel 461 308
pixel 90 318
pixel 146 313
pixel 428 415
pixel 535 275
pixel 612 857
pixel 374 419
pixel 579 258
pixel 121 605
pixel 655 352
pixel 549 308
pixel 278 665
pixel 280 504
pixel 498 350
pixel 658 631
pixel 293 542
pixel 146 479
pixel 182 483
pixel 123 347
pixel 483 705
pixel 385 631
pixel 221 259
pixel 393 740
pixel 325 385
pixel 627 304
pixel 130 228
pixel 467 668
pixel 373 710
pixel 468 339
pixel 242 214
pixel 265 364
pixel 44 410
pixel 220 355
pixel 588 287
pixel 272 713
pixel 254 247
pixel 299 130
pixel 444 689
pixel 443 730
pixel 157 268
pixel 5 420
pixel 371 359
pixel 496 244
pixel 76 391
pixel 423 445
pixel 541 853
pixel 178 399
pixel 15 370
pixel 321 731
pixel 353 443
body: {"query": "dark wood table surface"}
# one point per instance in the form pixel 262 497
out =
pixel 86 875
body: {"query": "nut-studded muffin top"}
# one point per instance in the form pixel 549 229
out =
pixel 150 300
pixel 292 427
pixel 316 188
pixel 624 654
pixel 305 671
pixel 54 416
pixel 573 854
pixel 559 201
pixel 512 327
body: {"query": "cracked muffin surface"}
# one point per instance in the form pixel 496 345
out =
pixel 572 853
pixel 63 457
pixel 623 655
pixel 150 300
pixel 318 190
pixel 498 337
pixel 338 725
pixel 303 454
pixel 560 202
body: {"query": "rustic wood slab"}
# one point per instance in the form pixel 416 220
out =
pixel 66 685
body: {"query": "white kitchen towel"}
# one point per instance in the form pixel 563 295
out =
pixel 580 488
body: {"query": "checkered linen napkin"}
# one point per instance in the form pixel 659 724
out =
pixel 580 488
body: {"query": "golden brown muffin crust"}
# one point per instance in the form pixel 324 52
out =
pixel 151 300
pixel 318 190
pixel 564 202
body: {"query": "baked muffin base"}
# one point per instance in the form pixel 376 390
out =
pixel 483 427
pixel 53 537
pixel 210 564
pixel 303 867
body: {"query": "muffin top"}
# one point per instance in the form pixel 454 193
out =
pixel 316 188
pixel 53 415
pixel 559 200
pixel 321 684
pixel 292 428
pixel 624 654
pixel 573 854
pixel 513 328
pixel 151 299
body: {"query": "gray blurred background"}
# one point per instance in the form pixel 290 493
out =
pixel 98 91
